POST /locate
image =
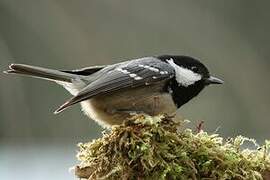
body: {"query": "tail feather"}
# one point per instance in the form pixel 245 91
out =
pixel 40 72
pixel 71 80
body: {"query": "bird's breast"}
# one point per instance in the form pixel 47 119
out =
pixel 114 108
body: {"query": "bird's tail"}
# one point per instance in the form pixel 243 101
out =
pixel 39 72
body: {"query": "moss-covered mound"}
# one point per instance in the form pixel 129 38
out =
pixel 155 148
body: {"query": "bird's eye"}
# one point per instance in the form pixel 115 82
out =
pixel 195 69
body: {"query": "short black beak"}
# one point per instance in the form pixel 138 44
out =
pixel 213 80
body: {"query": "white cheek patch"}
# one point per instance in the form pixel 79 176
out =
pixel 184 76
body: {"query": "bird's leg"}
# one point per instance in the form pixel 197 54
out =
pixel 155 104
pixel 199 127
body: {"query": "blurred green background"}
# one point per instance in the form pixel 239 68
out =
pixel 230 36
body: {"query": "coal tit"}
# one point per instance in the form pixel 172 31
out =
pixel 109 94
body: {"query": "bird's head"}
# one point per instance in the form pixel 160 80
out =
pixel 191 76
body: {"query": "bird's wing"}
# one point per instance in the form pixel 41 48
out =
pixel 135 73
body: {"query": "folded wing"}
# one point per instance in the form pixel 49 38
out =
pixel 136 73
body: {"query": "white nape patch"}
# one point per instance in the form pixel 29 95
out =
pixel 154 77
pixel 184 76
pixel 73 88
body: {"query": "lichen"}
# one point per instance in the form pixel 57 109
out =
pixel 160 148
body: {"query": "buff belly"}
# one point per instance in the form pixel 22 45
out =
pixel 114 108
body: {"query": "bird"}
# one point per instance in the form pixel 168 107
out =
pixel 110 94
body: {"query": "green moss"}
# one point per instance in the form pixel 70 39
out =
pixel 155 148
